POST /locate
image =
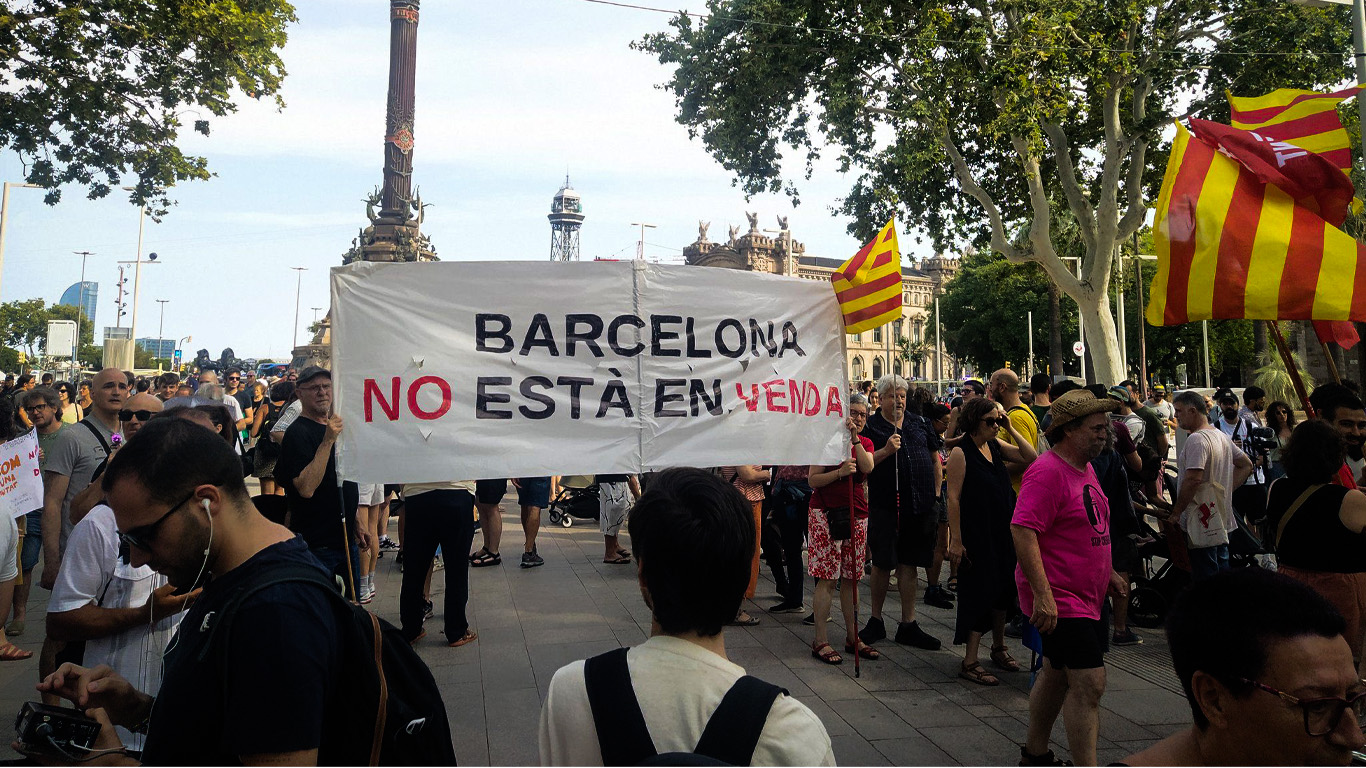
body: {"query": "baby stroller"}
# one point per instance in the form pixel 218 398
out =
pixel 578 498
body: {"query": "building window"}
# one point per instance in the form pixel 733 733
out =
pixel 915 332
pixel 858 338
pixel 857 368
pixel 877 335
pixel 896 366
pixel 877 368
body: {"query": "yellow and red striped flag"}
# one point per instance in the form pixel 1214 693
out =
pixel 868 286
pixel 1230 246
pixel 1307 119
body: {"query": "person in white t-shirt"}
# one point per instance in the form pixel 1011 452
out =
pixel 1207 456
pixel 693 538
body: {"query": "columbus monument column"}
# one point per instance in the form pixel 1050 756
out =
pixel 395 230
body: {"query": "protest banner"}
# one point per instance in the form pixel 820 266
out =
pixel 455 371
pixel 21 481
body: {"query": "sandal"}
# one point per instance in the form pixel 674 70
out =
pixel 484 558
pixel 826 653
pixel 12 652
pixel 16 628
pixel 1003 660
pixel 618 561
pixel 623 552
pixel 977 674
pixel 952 584
pixel 747 621
pixel 864 650
pixel 465 639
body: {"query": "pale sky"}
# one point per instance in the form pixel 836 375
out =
pixel 510 95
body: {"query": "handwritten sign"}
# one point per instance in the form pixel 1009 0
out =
pixel 21 482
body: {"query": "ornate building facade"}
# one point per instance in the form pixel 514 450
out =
pixel 867 355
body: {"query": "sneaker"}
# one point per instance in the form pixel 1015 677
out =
pixel 911 634
pixel 1046 758
pixel 1015 627
pixel 810 620
pixel 873 631
pixel 532 559
pixel 938 597
pixel 366 595
pixel 428 610
pixel 1127 638
pixel 786 607
pixel 388 543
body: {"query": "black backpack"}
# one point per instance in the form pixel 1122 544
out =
pixel 392 713
pixel 730 737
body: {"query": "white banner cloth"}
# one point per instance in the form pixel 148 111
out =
pixel 21 482
pixel 474 370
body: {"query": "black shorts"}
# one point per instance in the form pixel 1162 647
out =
pixel 1123 554
pixel 911 542
pixel 1076 644
pixel 490 491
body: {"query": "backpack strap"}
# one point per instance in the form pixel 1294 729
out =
pixel 623 736
pixel 734 729
pixel 96 432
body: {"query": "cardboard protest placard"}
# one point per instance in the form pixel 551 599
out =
pixel 21 481
pixel 457 371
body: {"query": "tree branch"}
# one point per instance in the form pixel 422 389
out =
pixel 1071 184
pixel 1040 235
pixel 999 241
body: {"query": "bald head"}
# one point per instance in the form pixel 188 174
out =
pixel 137 404
pixel 208 377
pixel 107 394
pixel 1004 387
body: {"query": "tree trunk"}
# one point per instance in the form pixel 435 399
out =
pixel 1260 343
pixel 1055 353
pixel 1102 337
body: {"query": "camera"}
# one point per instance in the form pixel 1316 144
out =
pixel 46 728
pixel 1262 439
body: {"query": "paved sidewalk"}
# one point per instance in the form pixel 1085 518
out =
pixel 909 708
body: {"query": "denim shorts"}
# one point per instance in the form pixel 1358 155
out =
pixel 33 542
pixel 534 492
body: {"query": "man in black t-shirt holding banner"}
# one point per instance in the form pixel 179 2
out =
pixel 307 469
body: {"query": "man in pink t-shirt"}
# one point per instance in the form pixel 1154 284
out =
pixel 1061 529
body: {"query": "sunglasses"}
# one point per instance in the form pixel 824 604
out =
pixel 143 535
pixel 139 415
pixel 1321 716
pixel 992 422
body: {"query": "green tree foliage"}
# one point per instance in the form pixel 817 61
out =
pixel 983 312
pixel 23 326
pixel 1273 377
pixel 972 119
pixel 100 89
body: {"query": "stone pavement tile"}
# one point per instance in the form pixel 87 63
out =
pixel 465 711
pixel 1119 680
pixel 499 636
pixel 829 716
pixel 753 656
pixel 1150 706
pixel 514 716
pixel 885 675
pixel 913 750
pixel 966 693
pixel 977 744
pixel 1119 728
pixel 1112 755
pixel 782 676
pixel 924 708
pixel 831 683
pixel 546 660
pixel 855 750
pixel 553 633
pixel 455 674
pixel 873 720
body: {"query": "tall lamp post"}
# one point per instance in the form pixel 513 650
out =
pixel 299 284
pixel 4 216
pixel 161 325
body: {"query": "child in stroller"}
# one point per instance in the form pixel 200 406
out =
pixel 579 498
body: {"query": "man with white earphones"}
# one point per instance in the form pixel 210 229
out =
pixel 181 506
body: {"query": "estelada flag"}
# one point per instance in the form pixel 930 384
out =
pixel 1307 119
pixel 1232 247
pixel 868 286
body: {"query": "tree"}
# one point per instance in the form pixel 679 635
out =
pixel 983 312
pixel 100 88
pixel 954 109
pixel 23 325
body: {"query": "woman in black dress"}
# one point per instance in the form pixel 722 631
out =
pixel 981 502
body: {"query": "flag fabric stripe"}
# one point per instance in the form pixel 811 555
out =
pixel 1180 224
pixel 1337 276
pixel 1308 125
pixel 1269 250
pixel 1256 110
pixel 1215 198
pixel 1157 291
pixel 868 285
pixel 1235 249
pixel 1359 284
pixel 1298 282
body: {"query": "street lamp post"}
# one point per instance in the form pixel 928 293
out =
pixel 299 284
pixel 161 325
pixel 4 216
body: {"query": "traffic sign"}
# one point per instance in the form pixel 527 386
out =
pixel 1078 349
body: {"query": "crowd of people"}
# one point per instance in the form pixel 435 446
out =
pixel 1033 498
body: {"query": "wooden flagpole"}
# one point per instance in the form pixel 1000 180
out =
pixel 1332 364
pixel 1284 350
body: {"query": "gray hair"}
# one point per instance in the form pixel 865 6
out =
pixel 47 395
pixel 211 392
pixel 857 398
pixel 890 382
pixel 1190 398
